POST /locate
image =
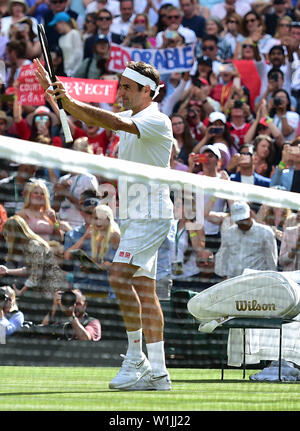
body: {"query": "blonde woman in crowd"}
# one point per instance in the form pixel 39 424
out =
pixel 37 212
pixel 33 258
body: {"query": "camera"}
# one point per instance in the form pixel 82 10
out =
pixel 274 76
pixel 139 28
pixel 216 130
pixel 238 104
pixel 68 299
pixel 3 296
pixel 277 101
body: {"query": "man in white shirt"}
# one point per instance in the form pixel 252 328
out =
pixel 174 19
pixel 246 244
pixel 121 24
pixel 240 7
pixel 145 137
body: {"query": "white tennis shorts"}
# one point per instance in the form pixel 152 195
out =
pixel 139 244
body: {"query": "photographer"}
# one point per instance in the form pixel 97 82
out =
pixel 287 172
pixel 284 118
pixel 10 316
pixel 79 326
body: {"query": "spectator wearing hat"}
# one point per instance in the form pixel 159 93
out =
pixel 207 162
pixel 70 41
pixel 17 9
pixel 96 66
pixel 217 131
pixel 103 20
pixel 55 7
pixel 246 244
pixel 39 122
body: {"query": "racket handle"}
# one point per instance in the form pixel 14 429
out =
pixel 65 126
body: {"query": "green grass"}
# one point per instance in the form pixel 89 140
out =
pixel 86 389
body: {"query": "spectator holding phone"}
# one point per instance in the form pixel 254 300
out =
pixel 284 118
pixel 11 318
pixel 140 28
pixel 287 172
pixel 218 132
pixel 175 29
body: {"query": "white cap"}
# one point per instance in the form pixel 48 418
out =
pixel 214 116
pixel 239 211
pixel 214 149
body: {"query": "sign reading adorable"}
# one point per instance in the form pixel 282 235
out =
pixel 167 60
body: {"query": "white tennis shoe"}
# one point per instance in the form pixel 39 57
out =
pixel 130 373
pixel 152 383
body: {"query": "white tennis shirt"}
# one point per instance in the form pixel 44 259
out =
pixel 152 147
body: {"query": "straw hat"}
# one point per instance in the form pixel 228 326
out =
pixel 23 2
pixel 82 144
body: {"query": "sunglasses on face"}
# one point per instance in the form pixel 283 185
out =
pixel 174 17
pixel 140 21
pixel 103 18
pixel 41 118
pixel 232 22
pixel 247 45
pixel 58 1
pixel 245 154
pixel 208 48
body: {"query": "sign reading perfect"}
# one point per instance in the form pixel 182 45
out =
pixel 91 90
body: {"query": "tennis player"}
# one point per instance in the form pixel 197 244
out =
pixel 145 137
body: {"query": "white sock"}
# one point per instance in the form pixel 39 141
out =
pixel 134 349
pixel 156 356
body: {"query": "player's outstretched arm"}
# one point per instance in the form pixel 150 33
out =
pixel 89 114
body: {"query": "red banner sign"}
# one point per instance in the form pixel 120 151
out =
pixel 91 90
pixel 30 91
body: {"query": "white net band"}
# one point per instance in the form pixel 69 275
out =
pixel 21 151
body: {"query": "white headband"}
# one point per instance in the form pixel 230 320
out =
pixel 143 80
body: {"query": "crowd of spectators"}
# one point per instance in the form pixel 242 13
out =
pixel 219 130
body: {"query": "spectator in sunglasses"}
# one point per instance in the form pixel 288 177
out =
pixel 253 26
pixel 232 30
pixel 209 48
pixel 103 21
pixel 175 28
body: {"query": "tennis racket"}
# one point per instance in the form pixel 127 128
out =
pixel 50 69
